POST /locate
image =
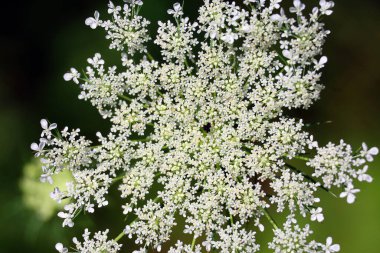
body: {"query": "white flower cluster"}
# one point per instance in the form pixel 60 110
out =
pixel 202 137
pixel 293 238
pixel 98 244
pixel 337 165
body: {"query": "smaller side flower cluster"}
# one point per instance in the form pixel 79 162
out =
pixel 338 165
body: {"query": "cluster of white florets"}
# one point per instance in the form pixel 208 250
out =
pixel 203 134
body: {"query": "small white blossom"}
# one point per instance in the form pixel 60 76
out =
pixel 229 37
pixel 176 11
pixel 298 7
pixel 317 215
pixel 93 22
pixel 60 248
pixel 369 153
pixel 349 193
pixel 326 7
pixel 330 247
pixel 72 75
pixel 39 148
pixel 362 176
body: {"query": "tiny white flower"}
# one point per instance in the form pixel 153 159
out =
pixel 176 11
pixel 46 176
pixel 96 60
pixel 207 245
pixel 38 148
pixel 72 75
pixel 330 247
pixel 362 176
pixel 45 126
pixel 229 37
pixel 56 195
pixel 112 9
pixel 312 144
pixel 93 22
pixel 349 193
pixel 321 63
pixel 317 215
pixel 369 153
pixel 59 247
pixel 47 129
pixel 298 7
pixel 280 18
pixel 326 6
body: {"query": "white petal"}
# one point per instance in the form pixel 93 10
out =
pixel 59 247
pixel 34 146
pixel 350 198
pixel 68 76
pixel 53 126
pixel 94 25
pixel 323 60
pixel 328 241
pixel 177 6
pixel 89 21
pixel 287 54
pixel 44 123
pixel 335 248
pixel 373 151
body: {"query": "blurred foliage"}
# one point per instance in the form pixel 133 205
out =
pixel 36 195
pixel 40 42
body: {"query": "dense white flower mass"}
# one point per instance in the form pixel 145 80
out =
pixel 202 139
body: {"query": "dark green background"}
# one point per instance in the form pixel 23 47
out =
pixel 40 40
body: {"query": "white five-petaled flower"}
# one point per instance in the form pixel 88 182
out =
pixel 38 148
pixel 72 75
pixel 176 11
pixel 330 247
pixel 298 7
pixel 60 248
pixel 47 128
pixel 317 215
pixel 326 6
pixel 93 22
pixel 112 9
pixel 96 60
pixel 349 193
pixel 369 153
pixel 362 176
pixel 229 37
pixel 56 195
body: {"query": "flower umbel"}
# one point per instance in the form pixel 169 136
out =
pixel 202 134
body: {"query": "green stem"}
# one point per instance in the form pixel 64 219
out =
pixel 150 57
pixel 193 243
pixel 303 158
pixel 270 219
pixel 119 236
